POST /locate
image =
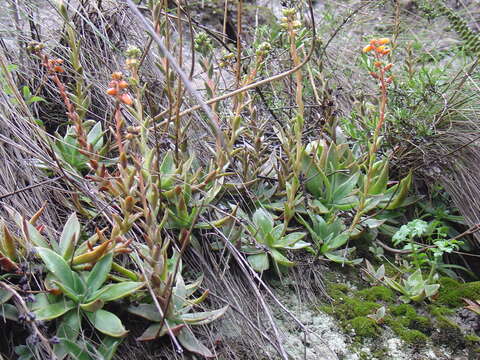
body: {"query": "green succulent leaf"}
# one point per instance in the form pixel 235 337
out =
pixel 95 136
pixel 93 305
pixel 151 333
pixel 99 273
pixel 263 220
pixel 259 262
pixel 204 317
pixel 179 292
pixel 69 237
pixel 73 349
pixel 335 243
pixel 277 232
pixel 116 291
pixel 5 295
pixel 289 240
pixel 298 245
pixel 404 187
pixel 53 311
pixel 280 258
pixel 9 312
pixel 192 344
pixel 317 206
pixel 154 331
pixel 70 325
pixel 107 323
pixel 431 289
pixel 57 266
pixel 167 171
pixel 108 347
pixel 67 291
pixel 146 311
pixel 69 328
pixel 345 189
pixel 33 235
pixel 415 278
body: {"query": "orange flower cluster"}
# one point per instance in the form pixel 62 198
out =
pixel 117 87
pixel 380 50
pixel 378 45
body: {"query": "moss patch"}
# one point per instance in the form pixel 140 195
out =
pixel 377 293
pixel 364 327
pixel 440 310
pixel 348 306
pixel 413 337
pixel 402 310
pixel 452 292
pixel 352 308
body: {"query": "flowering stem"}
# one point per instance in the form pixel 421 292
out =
pixel 380 51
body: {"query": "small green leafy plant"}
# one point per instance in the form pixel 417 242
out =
pixel 177 318
pixel 268 241
pixel 434 235
pixel 83 294
pixel 329 238
pixel 413 288
pixel 171 303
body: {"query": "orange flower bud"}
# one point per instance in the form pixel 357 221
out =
pixel 373 42
pixel 112 91
pixel 126 99
pixel 367 48
pixel 374 74
pixel 386 51
pixel 383 41
pixel 117 75
pixel 377 64
pixel 58 68
pixel 388 67
pixel 380 49
pixel 123 84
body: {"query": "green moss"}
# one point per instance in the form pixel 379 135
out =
pixel 330 310
pixel 452 292
pixel 352 308
pixel 364 327
pixel 347 306
pixel 337 291
pixel 399 327
pixel 413 337
pixel 403 310
pixel 440 310
pixel 377 293
pixel 406 316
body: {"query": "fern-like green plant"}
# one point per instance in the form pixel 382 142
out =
pixel 470 37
